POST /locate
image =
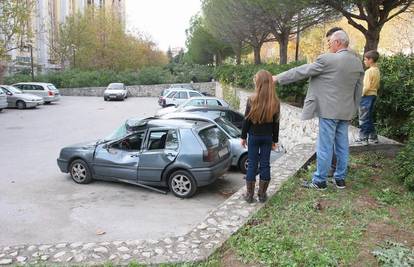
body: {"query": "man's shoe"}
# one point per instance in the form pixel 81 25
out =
pixel 317 186
pixel 340 184
pixel 361 141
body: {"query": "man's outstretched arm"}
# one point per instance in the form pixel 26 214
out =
pixel 302 72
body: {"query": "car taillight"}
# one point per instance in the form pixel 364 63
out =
pixel 50 93
pixel 209 155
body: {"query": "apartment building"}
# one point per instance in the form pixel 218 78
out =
pixel 47 15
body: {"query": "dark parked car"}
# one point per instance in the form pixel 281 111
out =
pixel 181 155
pixel 229 114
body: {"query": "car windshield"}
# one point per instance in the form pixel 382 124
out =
pixel 116 86
pixel 13 90
pixel 232 130
pixel 120 132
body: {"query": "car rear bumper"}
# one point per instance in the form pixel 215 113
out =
pixel 51 98
pixel 206 176
pixel 63 165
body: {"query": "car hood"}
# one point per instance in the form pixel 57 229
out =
pixel 28 97
pixel 114 91
pixel 84 146
pixel 166 110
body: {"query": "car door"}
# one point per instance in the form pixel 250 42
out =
pixel 181 98
pixel 11 98
pixel 119 159
pixel 160 150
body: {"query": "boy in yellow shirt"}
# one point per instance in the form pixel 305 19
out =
pixel 369 94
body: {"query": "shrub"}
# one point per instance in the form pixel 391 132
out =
pixel 242 76
pixel 154 75
pixel 395 99
pixel 185 73
pixel 404 163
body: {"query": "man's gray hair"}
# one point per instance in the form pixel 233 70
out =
pixel 341 36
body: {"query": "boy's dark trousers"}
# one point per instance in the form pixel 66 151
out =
pixel 366 120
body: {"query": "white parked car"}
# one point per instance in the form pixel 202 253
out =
pixel 18 99
pixel 47 91
pixel 194 102
pixel 175 97
pixel 3 100
pixel 115 91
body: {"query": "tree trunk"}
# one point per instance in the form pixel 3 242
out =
pixel 283 40
pixel 219 58
pixel 2 71
pixel 256 51
pixel 238 57
pixel 372 38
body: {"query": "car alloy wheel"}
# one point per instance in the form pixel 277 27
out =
pixel 21 104
pixel 79 172
pixel 182 184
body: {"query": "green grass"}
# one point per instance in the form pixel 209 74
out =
pixel 302 227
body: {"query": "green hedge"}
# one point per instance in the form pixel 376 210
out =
pixel 242 76
pixel 395 99
pixel 404 163
pixel 175 73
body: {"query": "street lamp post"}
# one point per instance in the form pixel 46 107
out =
pixel 30 47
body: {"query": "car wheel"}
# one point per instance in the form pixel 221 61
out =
pixel 79 171
pixel 105 99
pixel 47 102
pixel 182 184
pixel 21 104
pixel 243 162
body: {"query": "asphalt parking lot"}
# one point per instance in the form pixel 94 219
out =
pixel 39 204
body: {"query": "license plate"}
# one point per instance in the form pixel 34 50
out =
pixel 112 96
pixel 223 152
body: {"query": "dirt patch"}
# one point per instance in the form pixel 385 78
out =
pixel 376 235
pixel 375 178
pixel 230 259
pixel 364 202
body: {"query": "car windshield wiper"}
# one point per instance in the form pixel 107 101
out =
pixel 101 141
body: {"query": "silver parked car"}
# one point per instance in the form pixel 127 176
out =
pixel 194 102
pixel 239 153
pixel 18 99
pixel 177 154
pixel 176 97
pixel 115 91
pixel 3 100
pixel 47 91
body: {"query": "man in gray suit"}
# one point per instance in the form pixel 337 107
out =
pixel 335 89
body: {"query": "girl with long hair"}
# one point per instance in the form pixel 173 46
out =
pixel 261 123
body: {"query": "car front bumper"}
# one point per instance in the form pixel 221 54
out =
pixel 206 176
pixel 63 165
pixel 31 104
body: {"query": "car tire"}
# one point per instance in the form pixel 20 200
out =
pixel 47 102
pixel 105 99
pixel 182 184
pixel 243 164
pixel 20 104
pixel 79 171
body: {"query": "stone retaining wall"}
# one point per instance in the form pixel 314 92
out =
pixel 138 90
